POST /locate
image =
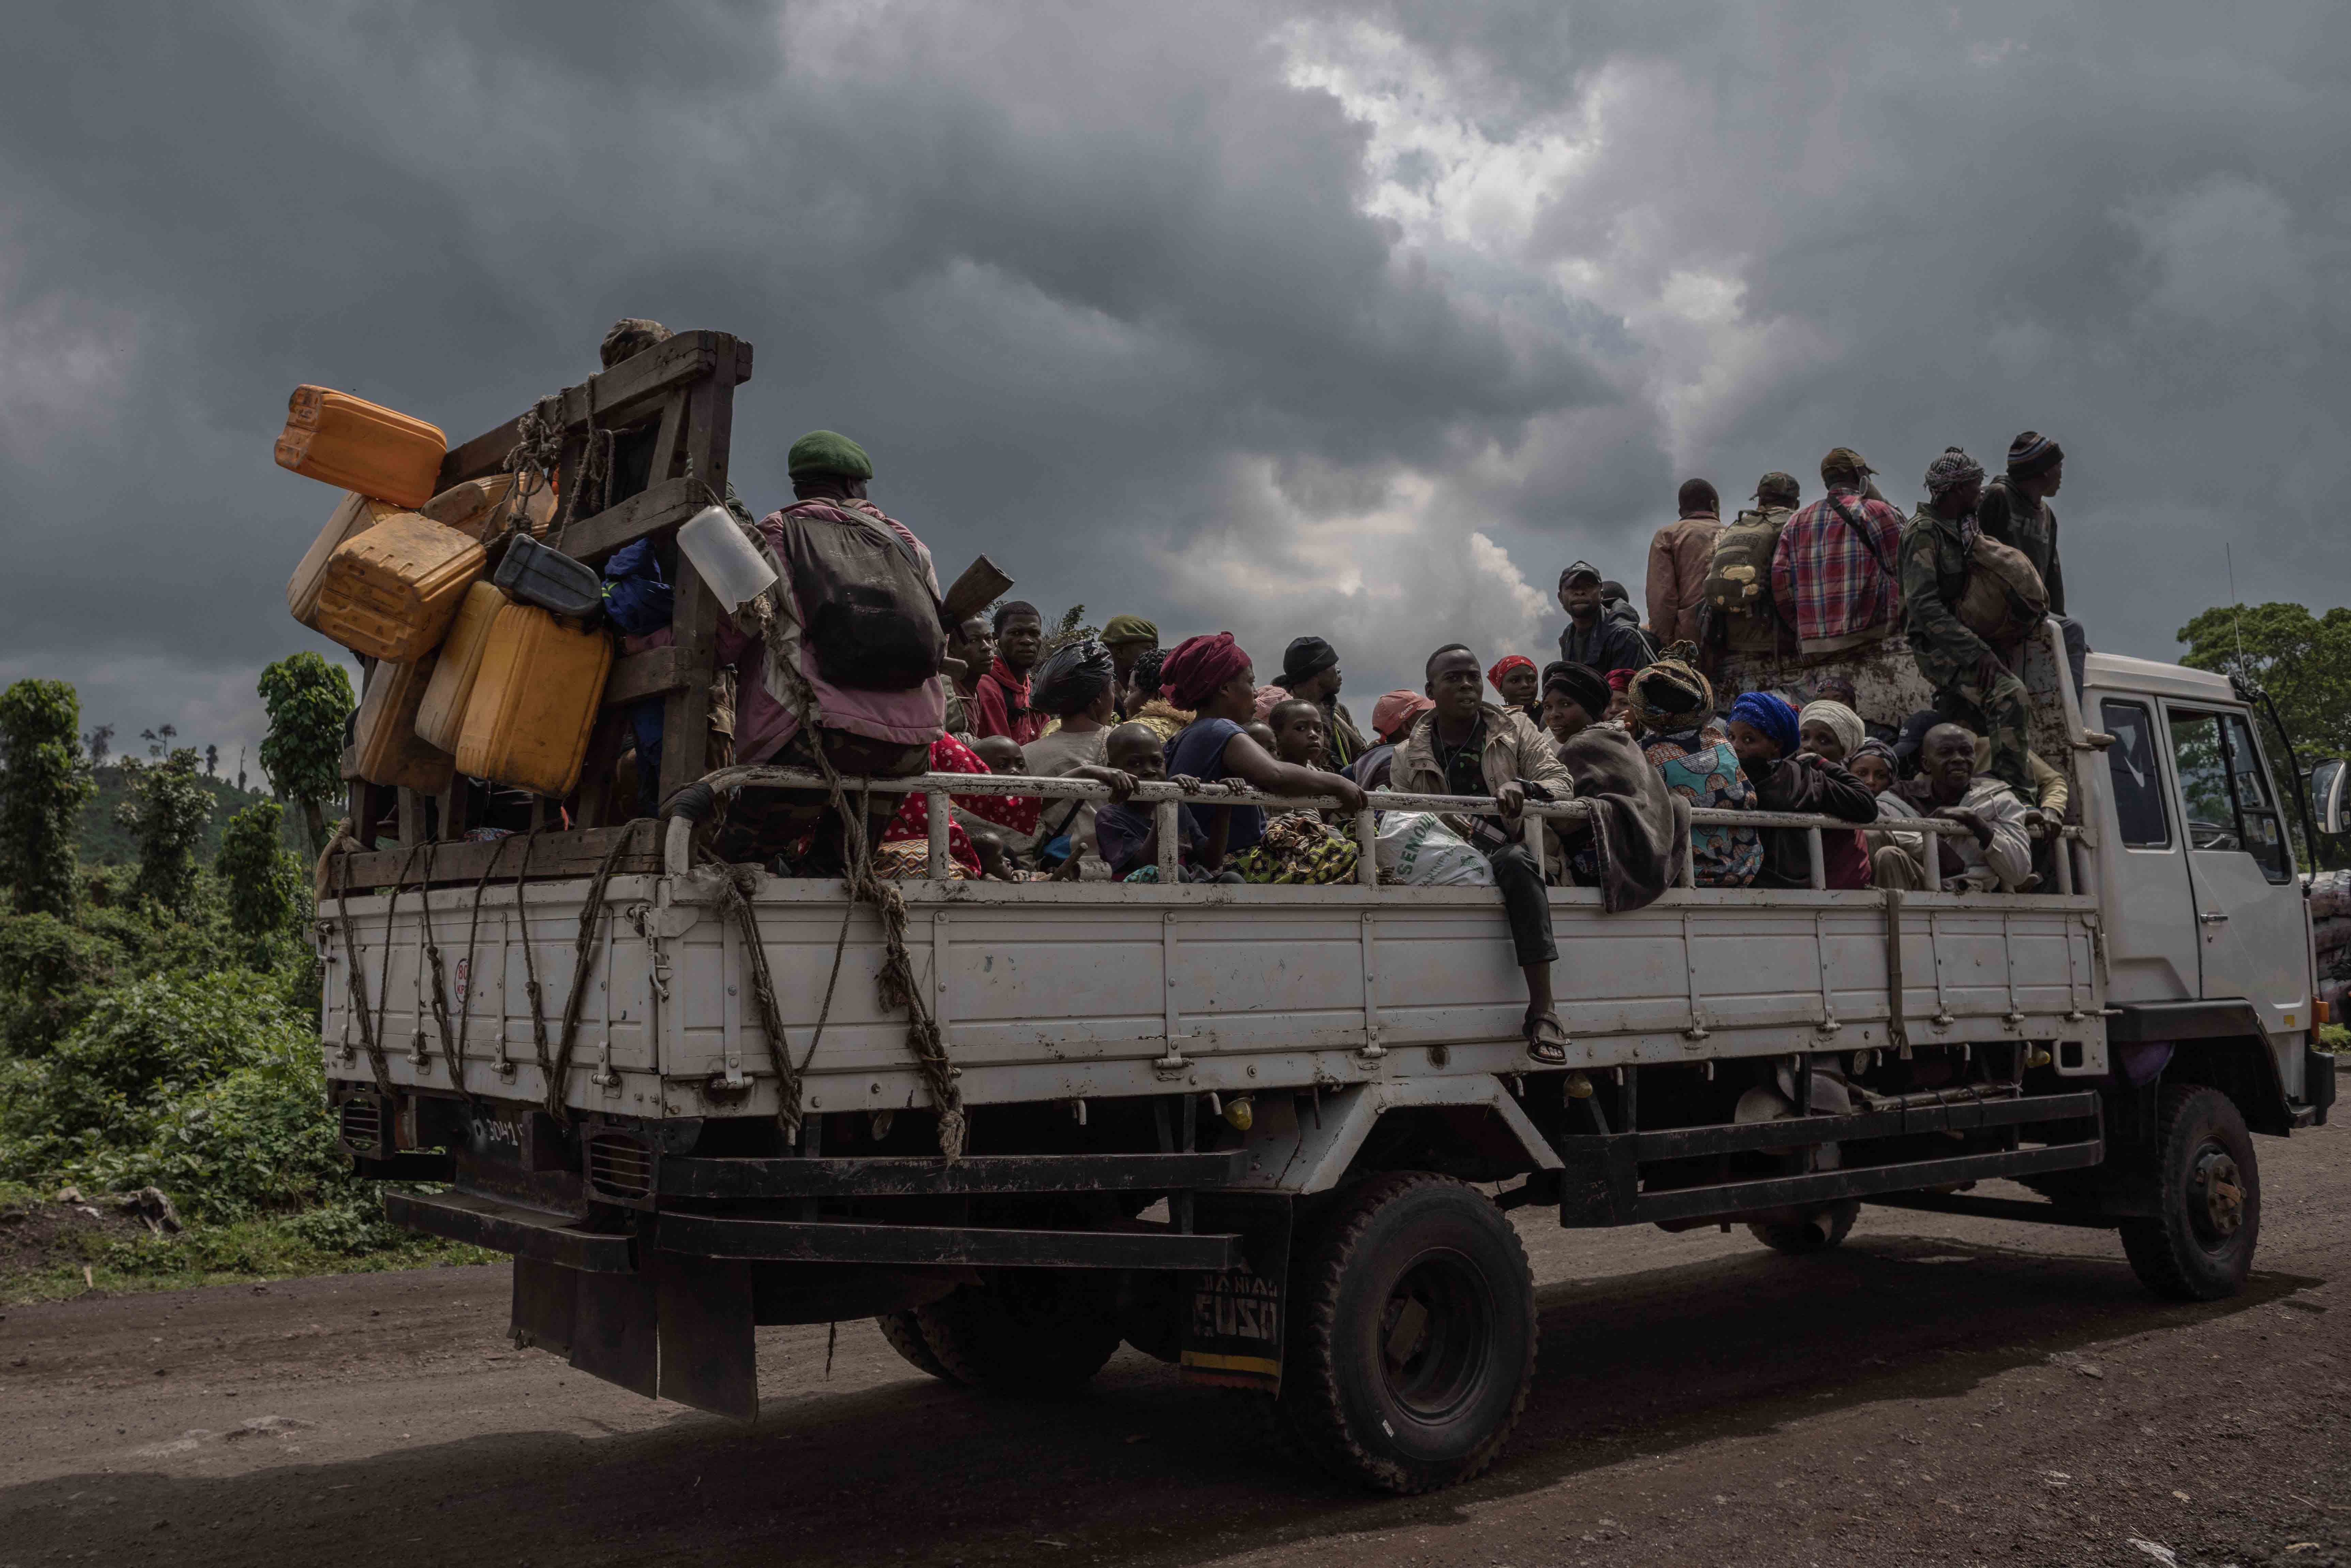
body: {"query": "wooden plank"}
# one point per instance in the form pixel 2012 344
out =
pixel 639 676
pixel 694 621
pixel 658 506
pixel 621 394
pixel 577 852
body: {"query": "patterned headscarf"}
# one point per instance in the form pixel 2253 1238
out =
pixel 1838 720
pixel 1670 695
pixel 1951 470
pixel 1775 715
pixel 1071 679
pixel 1191 675
pixel 1505 664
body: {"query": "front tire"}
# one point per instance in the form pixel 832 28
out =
pixel 1413 1335
pixel 2200 1246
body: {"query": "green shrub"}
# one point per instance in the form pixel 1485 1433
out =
pixel 52 974
pixel 258 1141
pixel 42 786
pixel 167 814
pixel 109 1088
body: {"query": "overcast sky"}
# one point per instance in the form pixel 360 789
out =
pixel 1355 321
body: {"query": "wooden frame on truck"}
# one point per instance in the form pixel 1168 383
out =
pixel 683 390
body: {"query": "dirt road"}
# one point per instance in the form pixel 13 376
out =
pixel 1941 1391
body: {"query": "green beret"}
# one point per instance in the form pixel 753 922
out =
pixel 1129 629
pixel 828 452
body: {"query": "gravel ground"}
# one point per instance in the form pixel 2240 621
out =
pixel 1940 1391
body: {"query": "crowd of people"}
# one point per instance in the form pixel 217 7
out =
pixel 1628 717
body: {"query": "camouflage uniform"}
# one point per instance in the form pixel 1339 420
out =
pixel 1953 658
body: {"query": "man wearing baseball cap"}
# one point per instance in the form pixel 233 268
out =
pixel 1836 570
pixel 1594 637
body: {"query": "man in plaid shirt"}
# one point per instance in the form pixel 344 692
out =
pixel 1836 574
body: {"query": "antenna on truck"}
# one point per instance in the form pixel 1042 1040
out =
pixel 2236 609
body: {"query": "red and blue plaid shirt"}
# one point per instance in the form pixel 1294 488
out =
pixel 1827 584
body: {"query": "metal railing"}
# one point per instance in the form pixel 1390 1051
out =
pixel 1166 798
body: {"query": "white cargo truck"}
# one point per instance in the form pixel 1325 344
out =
pixel 1272 1133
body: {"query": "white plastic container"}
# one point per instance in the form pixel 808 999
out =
pixel 730 567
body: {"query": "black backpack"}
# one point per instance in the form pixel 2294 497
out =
pixel 869 614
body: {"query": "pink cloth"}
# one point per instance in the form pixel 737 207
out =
pixel 1395 710
pixel 762 722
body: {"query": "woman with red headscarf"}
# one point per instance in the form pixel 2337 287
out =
pixel 1214 678
pixel 1521 684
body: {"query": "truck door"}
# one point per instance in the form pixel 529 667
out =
pixel 2254 933
pixel 2152 944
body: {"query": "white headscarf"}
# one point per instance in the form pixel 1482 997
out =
pixel 1838 720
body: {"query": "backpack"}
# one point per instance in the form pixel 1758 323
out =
pixel 2004 598
pixel 1739 574
pixel 868 612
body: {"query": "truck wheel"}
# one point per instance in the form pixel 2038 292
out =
pixel 1825 1229
pixel 1412 1337
pixel 906 1336
pixel 1026 1330
pixel 2207 1201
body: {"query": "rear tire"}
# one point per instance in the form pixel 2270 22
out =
pixel 1413 1335
pixel 2199 1247
pixel 1826 1228
pixel 1025 1332
pixel 905 1332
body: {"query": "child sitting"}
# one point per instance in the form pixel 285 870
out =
pixel 1127 836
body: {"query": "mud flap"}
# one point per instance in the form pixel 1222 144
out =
pixel 707 1357
pixel 679 1329
pixel 1234 1328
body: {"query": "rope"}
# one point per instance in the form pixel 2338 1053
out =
pixel 357 985
pixel 771 1021
pixel 473 935
pixel 529 964
pixel 583 963
pixel 453 1046
pixel 416 1051
pixel 865 885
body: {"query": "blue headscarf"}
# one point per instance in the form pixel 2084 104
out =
pixel 1771 715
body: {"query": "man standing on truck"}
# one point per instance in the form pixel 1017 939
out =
pixel 1467 746
pixel 883 729
pixel 2015 511
pixel 1833 570
pixel 1999 856
pixel 1679 559
pixel 1973 684
pixel 1594 636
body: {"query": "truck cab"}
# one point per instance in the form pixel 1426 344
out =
pixel 2208 931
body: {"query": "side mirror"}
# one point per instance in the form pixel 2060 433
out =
pixel 2326 781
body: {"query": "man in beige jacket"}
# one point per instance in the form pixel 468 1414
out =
pixel 1467 746
pixel 1679 559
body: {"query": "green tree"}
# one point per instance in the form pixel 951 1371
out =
pixel 1070 628
pixel 42 792
pixel 2303 662
pixel 308 701
pixel 167 813
pixel 263 880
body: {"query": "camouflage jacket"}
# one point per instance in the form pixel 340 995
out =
pixel 1934 576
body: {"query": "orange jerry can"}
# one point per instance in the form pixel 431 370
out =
pixel 385 746
pixel 392 591
pixel 441 715
pixel 359 445
pixel 356 515
pixel 534 701
pixel 473 504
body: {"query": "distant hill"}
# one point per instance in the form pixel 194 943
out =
pixel 104 842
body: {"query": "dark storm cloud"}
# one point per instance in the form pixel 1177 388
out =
pixel 1112 296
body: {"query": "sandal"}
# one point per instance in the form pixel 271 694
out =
pixel 1547 1041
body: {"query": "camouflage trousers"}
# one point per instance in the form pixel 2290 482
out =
pixel 2003 714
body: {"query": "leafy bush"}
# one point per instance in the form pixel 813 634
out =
pixel 97 1107
pixel 53 973
pixel 308 701
pixel 266 887
pixel 42 788
pixel 167 814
